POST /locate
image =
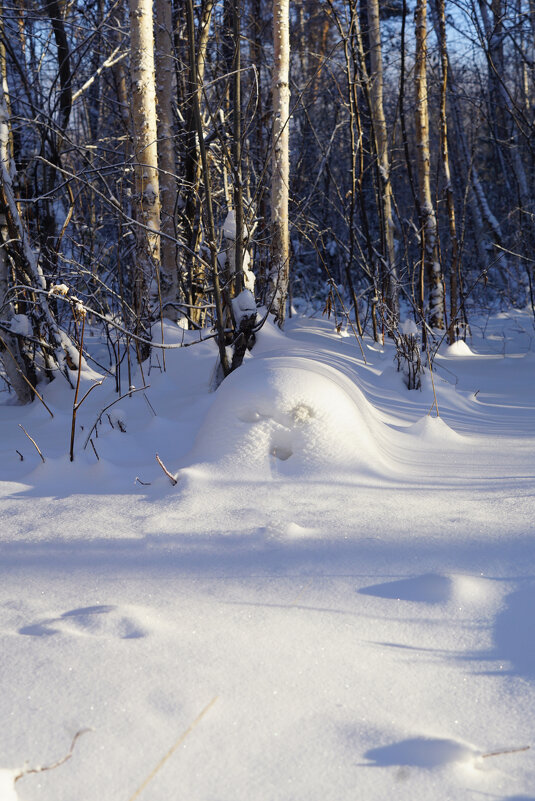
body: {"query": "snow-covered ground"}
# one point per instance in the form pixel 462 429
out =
pixel 335 601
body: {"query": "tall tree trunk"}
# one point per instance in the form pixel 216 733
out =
pixel 166 92
pixel 454 242
pixel 428 222
pixel 193 277
pixel 15 363
pixel 147 198
pixel 381 138
pixel 280 237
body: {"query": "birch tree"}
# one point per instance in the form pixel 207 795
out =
pixel 381 139
pixel 147 199
pixel 428 222
pixel 440 14
pixel 280 237
pixel 14 360
pixel 166 91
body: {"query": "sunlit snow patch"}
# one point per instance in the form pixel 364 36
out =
pixel 7 785
pixel 433 430
pixel 288 416
pixel 459 348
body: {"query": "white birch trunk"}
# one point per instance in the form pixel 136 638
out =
pixel 10 350
pixel 147 197
pixel 280 237
pixel 166 90
pixel 381 138
pixel 428 222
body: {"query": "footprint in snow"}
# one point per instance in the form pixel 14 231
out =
pixel 430 589
pixel 96 621
pixel 421 752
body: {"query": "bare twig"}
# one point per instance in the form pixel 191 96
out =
pixel 54 764
pixel 150 405
pixel 36 446
pixel 435 402
pixel 505 751
pixel 169 475
pixel 76 404
pixel 105 409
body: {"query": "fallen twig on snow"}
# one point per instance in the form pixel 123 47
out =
pixel 505 751
pixel 54 765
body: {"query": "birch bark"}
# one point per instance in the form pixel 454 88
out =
pixel 166 90
pixel 280 237
pixel 147 198
pixel 381 138
pixel 428 223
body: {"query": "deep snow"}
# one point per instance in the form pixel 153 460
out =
pixel 336 600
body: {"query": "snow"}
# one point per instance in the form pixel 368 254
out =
pixel 20 324
pixel 409 327
pixel 229 226
pixel 458 348
pixel 334 602
pixel 243 305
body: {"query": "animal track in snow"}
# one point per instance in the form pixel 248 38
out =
pixel 282 452
pixel 93 621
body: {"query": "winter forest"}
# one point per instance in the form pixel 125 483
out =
pixel 191 161
pixel 267 400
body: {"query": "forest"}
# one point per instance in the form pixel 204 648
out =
pixel 267 400
pixel 215 163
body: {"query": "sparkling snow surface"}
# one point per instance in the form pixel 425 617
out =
pixel 336 601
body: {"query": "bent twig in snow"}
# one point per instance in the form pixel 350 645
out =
pixel 169 475
pixel 57 764
pixel 36 446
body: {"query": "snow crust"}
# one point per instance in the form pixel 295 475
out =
pixel 335 601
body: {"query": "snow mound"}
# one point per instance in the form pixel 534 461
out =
pixel 434 430
pixel 458 349
pixel 289 416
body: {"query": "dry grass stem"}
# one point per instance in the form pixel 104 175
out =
pixel 506 751
pixel 171 751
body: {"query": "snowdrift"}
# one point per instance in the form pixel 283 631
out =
pixel 290 416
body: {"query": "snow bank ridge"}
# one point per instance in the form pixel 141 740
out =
pixel 288 416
